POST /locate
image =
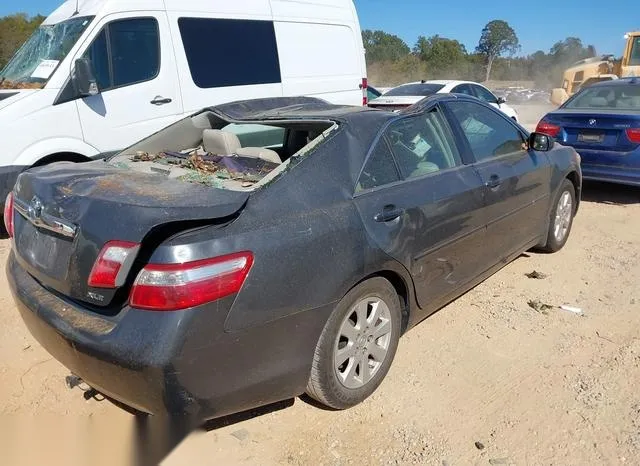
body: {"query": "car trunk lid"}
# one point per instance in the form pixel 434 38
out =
pixel 66 213
pixel 602 131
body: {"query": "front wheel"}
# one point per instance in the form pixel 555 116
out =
pixel 357 345
pixel 561 220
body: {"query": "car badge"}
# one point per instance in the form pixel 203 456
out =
pixel 34 210
pixel 592 121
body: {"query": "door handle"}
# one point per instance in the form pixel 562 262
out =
pixel 494 182
pixel 159 100
pixel 389 213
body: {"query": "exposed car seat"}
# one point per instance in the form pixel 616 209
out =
pixel 215 141
pixel 218 142
pixel 267 155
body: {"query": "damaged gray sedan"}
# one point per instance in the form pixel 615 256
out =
pixel 262 249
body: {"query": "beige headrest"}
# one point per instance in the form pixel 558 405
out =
pixel 217 142
pixel 260 153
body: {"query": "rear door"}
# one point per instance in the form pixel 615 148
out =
pixel 485 95
pixel 135 67
pixel 517 180
pixel 423 206
pixel 463 89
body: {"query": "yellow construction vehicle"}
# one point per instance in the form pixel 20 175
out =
pixel 603 68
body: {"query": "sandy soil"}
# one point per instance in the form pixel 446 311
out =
pixel 487 380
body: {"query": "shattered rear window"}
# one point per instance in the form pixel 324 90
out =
pixel 208 169
pixel 207 150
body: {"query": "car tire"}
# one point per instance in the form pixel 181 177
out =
pixel 357 345
pixel 561 218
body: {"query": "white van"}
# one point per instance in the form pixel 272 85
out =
pixel 99 75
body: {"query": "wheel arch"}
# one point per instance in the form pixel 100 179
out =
pixel 575 180
pixel 399 283
pixel 61 157
pixel 56 149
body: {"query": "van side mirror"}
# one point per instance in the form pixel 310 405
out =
pixel 84 79
pixel 541 142
pixel 502 100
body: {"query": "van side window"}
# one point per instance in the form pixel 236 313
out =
pixel 230 52
pixel 126 52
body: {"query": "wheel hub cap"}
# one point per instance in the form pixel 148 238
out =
pixel 363 342
pixel 564 213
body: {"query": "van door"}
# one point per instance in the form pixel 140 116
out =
pixel 135 67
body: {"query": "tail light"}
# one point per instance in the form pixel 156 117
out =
pixel 634 135
pixel 172 287
pixel 365 96
pixel 113 263
pixel 548 128
pixel 8 214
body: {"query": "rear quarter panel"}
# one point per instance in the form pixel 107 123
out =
pixel 565 163
pixel 307 238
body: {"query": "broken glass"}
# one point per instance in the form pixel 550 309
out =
pixel 34 63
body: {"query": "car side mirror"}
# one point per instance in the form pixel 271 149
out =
pixel 502 100
pixel 84 79
pixel 541 142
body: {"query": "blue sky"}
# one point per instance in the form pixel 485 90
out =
pixel 598 22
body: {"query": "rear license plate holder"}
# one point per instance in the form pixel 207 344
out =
pixel 591 137
pixel 43 251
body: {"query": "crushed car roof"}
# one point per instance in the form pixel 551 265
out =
pixel 285 108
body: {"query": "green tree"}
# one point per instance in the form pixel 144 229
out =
pixel 14 30
pixel 381 46
pixel 443 56
pixel 497 39
pixel 570 50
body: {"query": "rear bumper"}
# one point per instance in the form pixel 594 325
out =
pixel 178 363
pixel 612 167
pixel 618 175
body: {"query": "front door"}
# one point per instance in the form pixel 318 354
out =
pixel 423 206
pixel 135 67
pixel 516 179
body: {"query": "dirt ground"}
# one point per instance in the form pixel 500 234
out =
pixel 487 380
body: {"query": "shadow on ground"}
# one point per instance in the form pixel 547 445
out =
pixel 608 193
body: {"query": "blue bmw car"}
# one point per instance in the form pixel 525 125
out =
pixel 602 123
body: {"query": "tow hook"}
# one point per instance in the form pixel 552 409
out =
pixel 73 381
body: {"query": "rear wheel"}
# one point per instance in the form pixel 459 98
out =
pixel 357 345
pixel 561 219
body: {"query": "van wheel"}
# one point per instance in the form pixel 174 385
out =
pixel 561 218
pixel 357 345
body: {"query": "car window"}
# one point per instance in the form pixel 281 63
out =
pixel 634 58
pixel 489 134
pixel 423 144
pixel 126 52
pixel 463 89
pixel 484 94
pixel 423 90
pixel 230 52
pixel 614 97
pixel 372 93
pixel 380 169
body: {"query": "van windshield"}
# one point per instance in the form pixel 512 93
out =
pixel 34 63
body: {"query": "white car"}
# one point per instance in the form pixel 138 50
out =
pixel 408 94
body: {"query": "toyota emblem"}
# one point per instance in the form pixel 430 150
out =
pixel 592 121
pixel 35 208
